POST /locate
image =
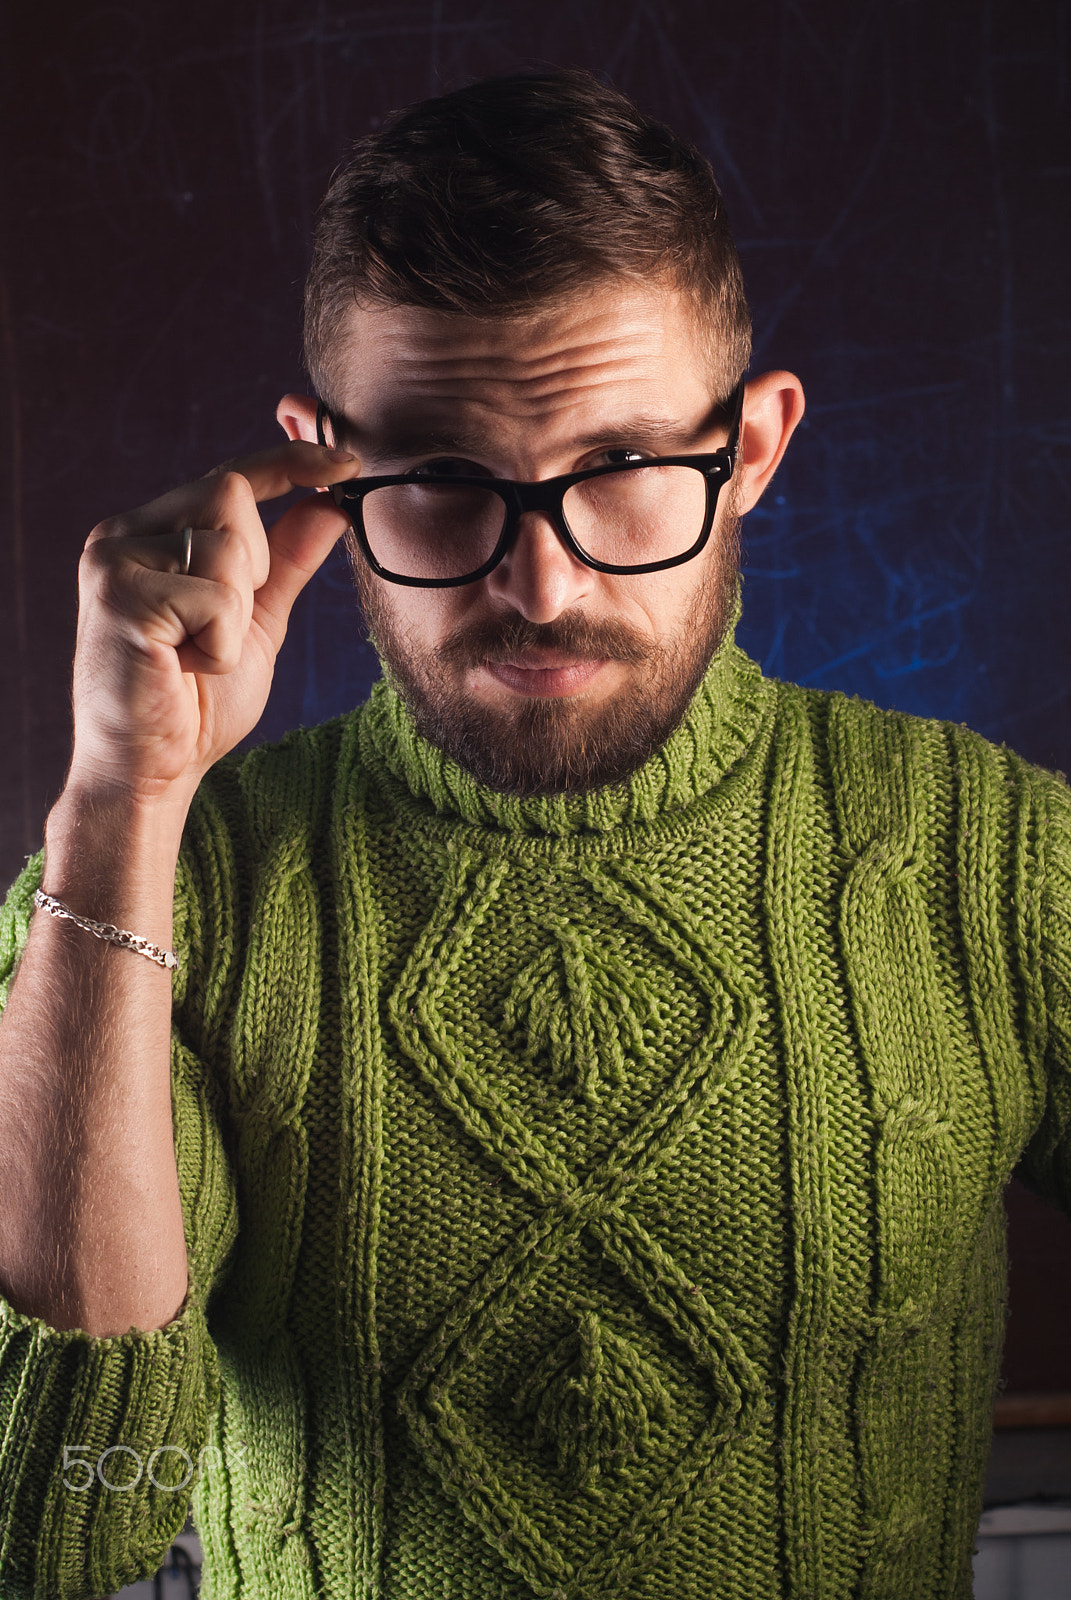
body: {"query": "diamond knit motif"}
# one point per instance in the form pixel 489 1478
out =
pixel 568 1006
pixel 594 1400
pixel 643 1368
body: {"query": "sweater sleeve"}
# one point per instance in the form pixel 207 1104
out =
pixel 1046 1162
pixel 87 1424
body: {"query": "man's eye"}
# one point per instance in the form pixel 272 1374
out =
pixel 623 457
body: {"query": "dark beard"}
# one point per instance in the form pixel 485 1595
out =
pixel 557 746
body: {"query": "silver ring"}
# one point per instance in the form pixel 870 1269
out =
pixel 187 551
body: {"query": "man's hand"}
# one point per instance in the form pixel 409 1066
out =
pixel 171 671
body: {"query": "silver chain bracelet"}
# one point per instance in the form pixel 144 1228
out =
pixel 108 931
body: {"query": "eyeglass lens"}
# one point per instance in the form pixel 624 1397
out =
pixel 444 530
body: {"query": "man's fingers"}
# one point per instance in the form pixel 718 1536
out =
pixel 240 560
pixel 227 498
pixel 159 611
pixel 241 580
pixel 298 464
pixel 299 544
pixel 237 573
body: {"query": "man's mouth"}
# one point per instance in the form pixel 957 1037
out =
pixel 545 674
pixel 542 661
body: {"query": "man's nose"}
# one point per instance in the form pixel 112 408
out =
pixel 538 576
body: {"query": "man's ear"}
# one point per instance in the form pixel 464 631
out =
pixel 296 415
pixel 773 406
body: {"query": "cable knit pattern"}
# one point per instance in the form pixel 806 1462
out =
pixel 585 1197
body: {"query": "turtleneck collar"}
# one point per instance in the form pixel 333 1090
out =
pixel 719 726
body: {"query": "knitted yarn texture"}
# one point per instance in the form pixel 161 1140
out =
pixel 586 1196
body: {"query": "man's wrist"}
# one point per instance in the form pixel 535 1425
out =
pixel 111 855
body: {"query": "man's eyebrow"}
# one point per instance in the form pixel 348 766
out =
pixel 639 430
pixel 419 440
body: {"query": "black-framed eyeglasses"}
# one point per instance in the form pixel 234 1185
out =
pixel 438 530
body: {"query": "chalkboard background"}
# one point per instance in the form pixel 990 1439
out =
pixel 898 174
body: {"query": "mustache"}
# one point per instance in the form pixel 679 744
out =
pixel 503 638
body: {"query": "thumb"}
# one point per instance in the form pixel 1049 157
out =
pixel 298 545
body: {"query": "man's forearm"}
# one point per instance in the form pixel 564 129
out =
pixel 91 1230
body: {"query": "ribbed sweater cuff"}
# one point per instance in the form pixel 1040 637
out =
pixel 88 1410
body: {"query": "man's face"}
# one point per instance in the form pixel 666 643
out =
pixel 545 675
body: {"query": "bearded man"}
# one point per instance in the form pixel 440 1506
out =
pixel 567 1157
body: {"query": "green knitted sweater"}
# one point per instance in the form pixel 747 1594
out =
pixel 585 1197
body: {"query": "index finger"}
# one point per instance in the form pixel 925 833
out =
pixel 298 464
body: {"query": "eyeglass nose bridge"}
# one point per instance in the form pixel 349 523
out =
pixel 546 496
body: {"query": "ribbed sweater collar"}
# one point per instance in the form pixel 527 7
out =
pixel 718 728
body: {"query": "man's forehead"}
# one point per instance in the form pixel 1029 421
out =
pixel 610 335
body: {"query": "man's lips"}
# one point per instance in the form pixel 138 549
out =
pixel 544 673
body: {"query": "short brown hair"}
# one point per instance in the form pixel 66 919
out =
pixel 501 197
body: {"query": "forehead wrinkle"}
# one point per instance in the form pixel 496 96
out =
pixel 547 385
pixel 585 352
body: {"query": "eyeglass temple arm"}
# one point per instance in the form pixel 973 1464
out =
pixel 321 413
pixel 734 405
